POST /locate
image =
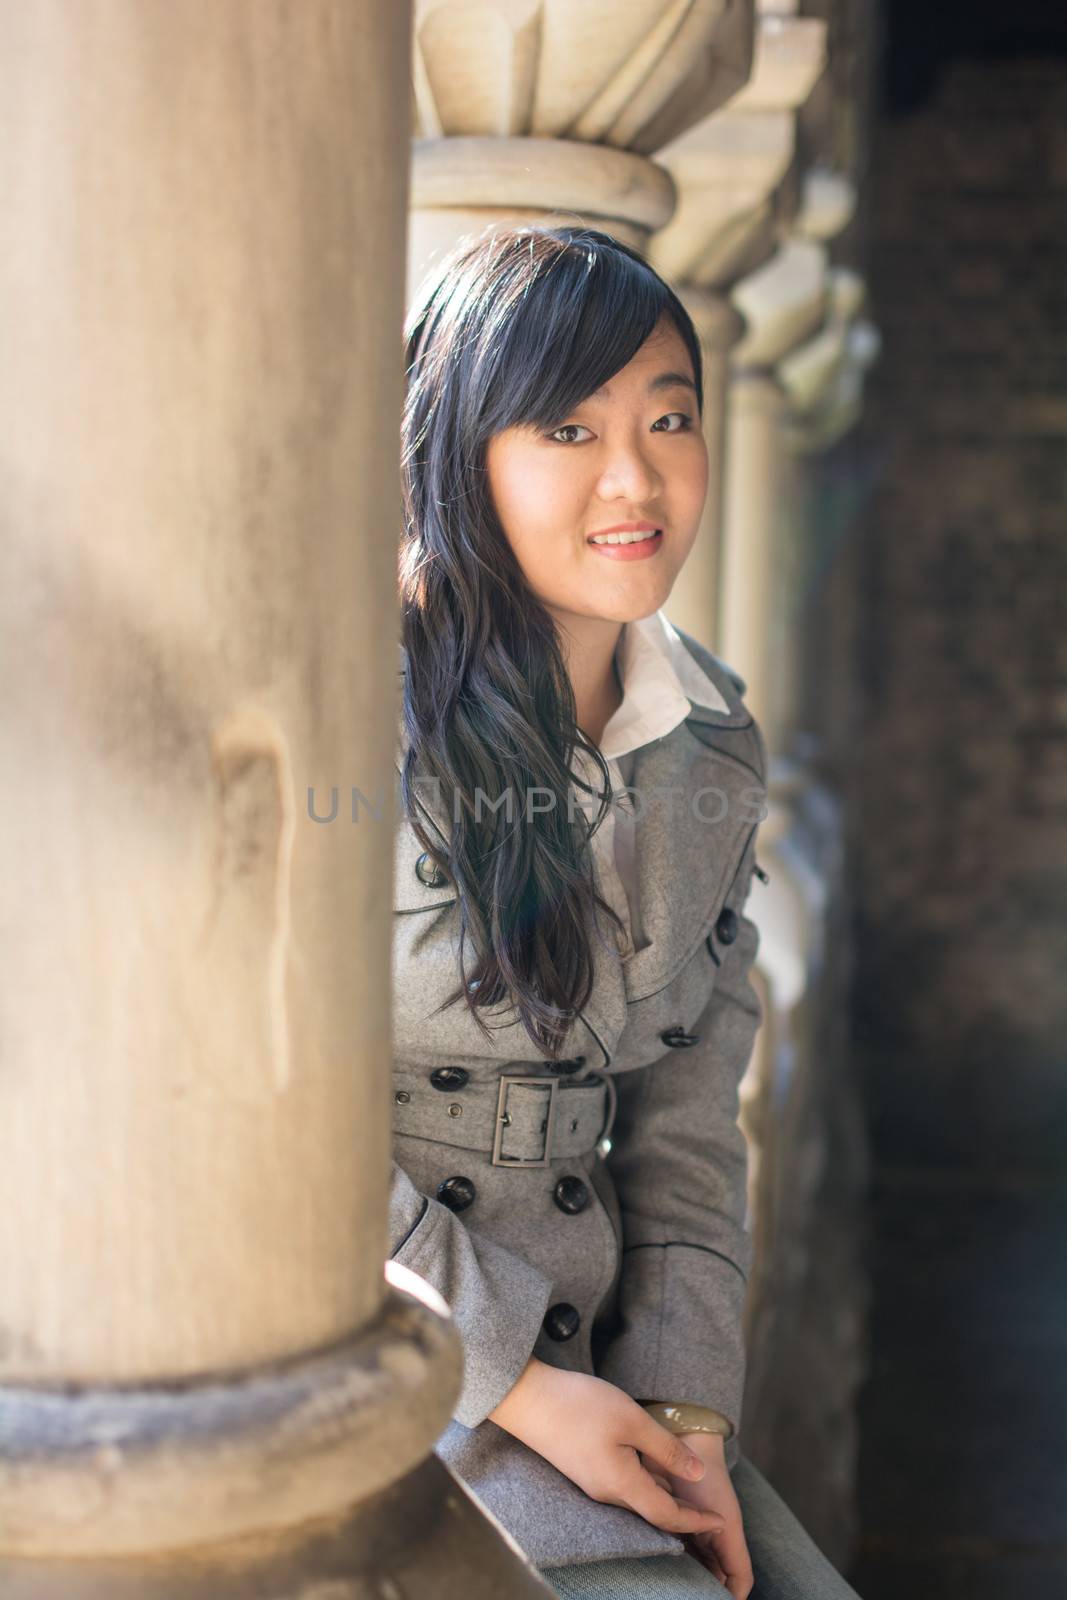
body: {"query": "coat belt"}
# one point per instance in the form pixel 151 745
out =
pixel 517 1119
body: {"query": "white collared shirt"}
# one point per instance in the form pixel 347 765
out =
pixel 659 679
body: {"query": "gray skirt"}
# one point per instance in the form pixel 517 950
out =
pixel 786 1562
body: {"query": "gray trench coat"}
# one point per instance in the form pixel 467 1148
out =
pixel 629 1262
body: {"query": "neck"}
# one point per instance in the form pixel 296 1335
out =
pixel 589 645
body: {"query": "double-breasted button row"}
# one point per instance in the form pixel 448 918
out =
pixel 562 1321
pixel 458 1192
pixel 428 872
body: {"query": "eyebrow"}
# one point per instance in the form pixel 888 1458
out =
pixel 662 380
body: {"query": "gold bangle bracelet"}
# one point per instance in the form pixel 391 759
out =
pixel 686 1417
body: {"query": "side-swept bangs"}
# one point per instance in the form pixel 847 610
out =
pixel 541 319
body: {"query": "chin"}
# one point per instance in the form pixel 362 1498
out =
pixel 634 610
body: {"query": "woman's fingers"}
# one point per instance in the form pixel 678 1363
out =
pixel 708 1560
pixel 727 1551
pixel 658 1478
pixel 666 1449
pixel 658 1506
pixel 701 1547
pixel 673 1516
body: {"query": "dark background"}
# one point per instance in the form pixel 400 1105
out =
pixel 950 743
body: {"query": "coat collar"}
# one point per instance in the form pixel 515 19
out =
pixel 662 684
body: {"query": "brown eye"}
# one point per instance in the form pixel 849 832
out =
pixel 568 427
pixel 684 420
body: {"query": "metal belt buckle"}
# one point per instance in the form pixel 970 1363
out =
pixel 506 1080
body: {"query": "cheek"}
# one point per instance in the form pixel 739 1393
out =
pixel 689 491
pixel 535 497
pixel 691 483
pixel 701 467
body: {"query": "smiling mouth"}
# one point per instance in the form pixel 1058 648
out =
pixel 643 536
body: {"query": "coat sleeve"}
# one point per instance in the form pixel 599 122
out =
pixel 497 1299
pixel 679 1161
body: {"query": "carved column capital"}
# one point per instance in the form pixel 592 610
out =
pixel 827 203
pixel 733 168
pixel 527 111
pixel 834 405
pixel 782 302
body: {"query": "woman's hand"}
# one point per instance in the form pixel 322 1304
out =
pixel 724 1553
pixel 596 1436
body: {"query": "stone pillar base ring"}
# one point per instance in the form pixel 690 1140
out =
pixel 109 1471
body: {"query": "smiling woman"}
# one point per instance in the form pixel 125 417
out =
pixel 569 1172
pixel 541 363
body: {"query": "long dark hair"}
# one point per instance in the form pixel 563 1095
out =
pixel 517 326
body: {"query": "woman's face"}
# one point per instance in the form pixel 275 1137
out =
pixel 632 453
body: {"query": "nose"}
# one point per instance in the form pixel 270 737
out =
pixel 629 474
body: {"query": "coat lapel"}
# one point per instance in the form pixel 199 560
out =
pixel 696 816
pixel 699 802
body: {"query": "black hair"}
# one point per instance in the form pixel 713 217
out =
pixel 516 326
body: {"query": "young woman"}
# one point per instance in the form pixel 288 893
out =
pixel 581 788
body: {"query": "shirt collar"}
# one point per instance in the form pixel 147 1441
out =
pixel 660 684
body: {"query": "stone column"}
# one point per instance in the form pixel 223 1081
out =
pixel 792 334
pixel 822 384
pixel 804 1378
pixel 692 601
pixel 807 1292
pixel 753 505
pixel 781 302
pixel 206 1386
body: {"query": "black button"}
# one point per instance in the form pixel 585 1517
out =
pixel 678 1039
pixel 448 1078
pixel 571 1195
pixel 562 1321
pixel 572 1064
pixel 456 1193
pixel 726 927
pixel 428 872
